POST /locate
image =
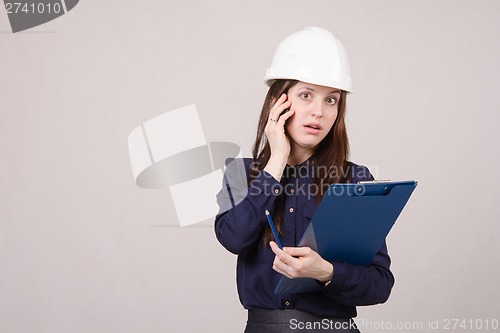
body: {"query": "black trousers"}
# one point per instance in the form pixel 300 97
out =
pixel 291 320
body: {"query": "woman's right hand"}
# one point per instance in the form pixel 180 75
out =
pixel 278 140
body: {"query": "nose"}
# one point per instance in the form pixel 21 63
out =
pixel 317 109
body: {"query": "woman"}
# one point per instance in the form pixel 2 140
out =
pixel 301 148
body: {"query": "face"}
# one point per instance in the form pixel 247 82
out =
pixel 316 109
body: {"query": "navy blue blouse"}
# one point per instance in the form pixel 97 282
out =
pixel 239 228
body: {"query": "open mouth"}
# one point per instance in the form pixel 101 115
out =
pixel 313 126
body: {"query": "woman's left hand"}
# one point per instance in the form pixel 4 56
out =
pixel 295 262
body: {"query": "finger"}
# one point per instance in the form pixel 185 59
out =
pixel 280 267
pixel 298 251
pixel 286 258
pixel 275 100
pixel 275 115
pixel 281 255
pixel 279 270
pixel 283 118
pixel 280 109
pixel 280 100
pixel 280 105
pixel 274 247
pixel 282 272
pixel 277 103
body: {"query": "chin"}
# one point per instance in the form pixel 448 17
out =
pixel 308 144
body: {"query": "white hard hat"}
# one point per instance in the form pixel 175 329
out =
pixel 311 55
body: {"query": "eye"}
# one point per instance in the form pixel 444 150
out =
pixel 305 95
pixel 331 100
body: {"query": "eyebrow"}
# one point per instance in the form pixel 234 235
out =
pixel 313 90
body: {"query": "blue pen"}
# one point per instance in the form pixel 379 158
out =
pixel 273 229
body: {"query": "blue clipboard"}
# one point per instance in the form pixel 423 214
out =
pixel 350 224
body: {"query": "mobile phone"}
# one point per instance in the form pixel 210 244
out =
pixel 284 111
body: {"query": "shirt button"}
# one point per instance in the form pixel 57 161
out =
pixel 292 191
pixel 276 191
pixel 291 210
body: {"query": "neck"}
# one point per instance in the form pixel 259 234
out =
pixel 299 155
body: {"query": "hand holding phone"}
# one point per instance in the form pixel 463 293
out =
pixel 277 137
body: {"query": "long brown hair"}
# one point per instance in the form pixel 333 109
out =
pixel 329 158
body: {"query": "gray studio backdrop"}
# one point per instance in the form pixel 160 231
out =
pixel 83 249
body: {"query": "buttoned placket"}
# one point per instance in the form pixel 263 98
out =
pixel 290 221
